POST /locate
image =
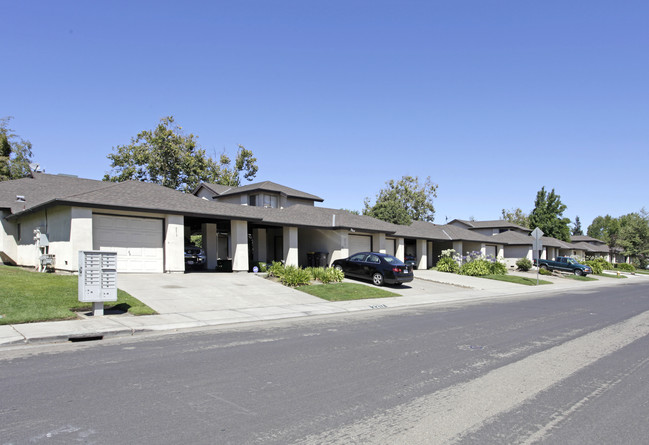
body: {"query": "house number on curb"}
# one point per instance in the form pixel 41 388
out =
pixel 378 306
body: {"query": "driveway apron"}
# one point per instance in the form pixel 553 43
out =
pixel 194 292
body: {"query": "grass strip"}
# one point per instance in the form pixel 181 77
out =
pixel 610 275
pixel 345 291
pixel 580 278
pixel 27 297
pixel 516 279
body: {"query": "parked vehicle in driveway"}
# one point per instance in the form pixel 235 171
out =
pixel 564 264
pixel 378 267
pixel 411 261
pixel 194 257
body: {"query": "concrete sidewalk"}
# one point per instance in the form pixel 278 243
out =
pixel 244 299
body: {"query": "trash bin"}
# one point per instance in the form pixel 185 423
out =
pixel 320 259
pixel 310 259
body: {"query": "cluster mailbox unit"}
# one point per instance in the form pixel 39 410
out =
pixel 97 278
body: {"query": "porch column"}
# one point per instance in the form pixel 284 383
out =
pixel 501 251
pixel 210 245
pixel 483 249
pixel 401 249
pixel 259 245
pixel 174 257
pixel 80 237
pixel 239 239
pixel 422 254
pixel 429 254
pixel 290 246
pixel 378 242
pixel 457 246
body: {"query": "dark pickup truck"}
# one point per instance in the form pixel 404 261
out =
pixel 564 264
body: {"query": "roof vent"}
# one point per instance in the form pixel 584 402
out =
pixel 20 198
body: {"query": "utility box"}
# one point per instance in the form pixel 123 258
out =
pixel 97 276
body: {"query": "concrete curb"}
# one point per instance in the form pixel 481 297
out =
pixel 125 326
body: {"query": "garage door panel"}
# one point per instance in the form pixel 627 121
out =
pixel 137 241
pixel 390 246
pixel 359 243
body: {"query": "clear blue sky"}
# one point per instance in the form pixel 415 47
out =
pixel 491 99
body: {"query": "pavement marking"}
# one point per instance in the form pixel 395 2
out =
pixel 447 415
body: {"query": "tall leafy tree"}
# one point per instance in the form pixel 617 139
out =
pixel 15 153
pixel 576 228
pixel 403 201
pixel 607 229
pixel 516 216
pixel 634 234
pixel 548 215
pixel 167 156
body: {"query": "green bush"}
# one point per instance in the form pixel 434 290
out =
pixel 476 268
pixel 447 264
pixel 598 265
pixel 524 264
pixel 294 276
pixel 498 268
pixel 276 269
pixel 625 267
pixel 333 275
pixel 543 271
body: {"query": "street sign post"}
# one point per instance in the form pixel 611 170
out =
pixel 537 247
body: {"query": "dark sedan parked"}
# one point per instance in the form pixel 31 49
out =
pixel 378 267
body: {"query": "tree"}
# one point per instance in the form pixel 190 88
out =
pixel 516 216
pixel 548 215
pixel 15 153
pixel 634 234
pixel 403 201
pixel 576 229
pixel 170 158
pixel 607 229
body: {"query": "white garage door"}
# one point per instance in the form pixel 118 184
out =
pixel 359 243
pixel 137 241
pixel 390 246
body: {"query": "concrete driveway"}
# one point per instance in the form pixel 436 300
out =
pixel 197 292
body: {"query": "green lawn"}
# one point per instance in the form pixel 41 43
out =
pixel 580 278
pixel 516 279
pixel 27 297
pixel 345 291
pixel 610 275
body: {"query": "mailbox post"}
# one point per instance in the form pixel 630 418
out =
pixel 97 278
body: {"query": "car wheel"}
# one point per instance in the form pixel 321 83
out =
pixel 579 272
pixel 377 279
pixel 338 267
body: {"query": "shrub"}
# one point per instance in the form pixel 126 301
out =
pixel 498 268
pixel 276 269
pixel 294 276
pixel 476 268
pixel 333 275
pixel 543 271
pixel 625 267
pixel 447 264
pixel 599 265
pixel 524 264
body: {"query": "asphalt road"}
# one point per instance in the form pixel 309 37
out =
pixel 566 369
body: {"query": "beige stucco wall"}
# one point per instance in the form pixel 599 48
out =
pixel 174 242
pixel 334 242
pixel 239 241
pixel 8 238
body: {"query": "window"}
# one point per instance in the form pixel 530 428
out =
pixel 373 259
pixel 358 257
pixel 270 201
pixel 252 200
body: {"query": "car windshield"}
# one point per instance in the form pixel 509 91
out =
pixel 393 260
